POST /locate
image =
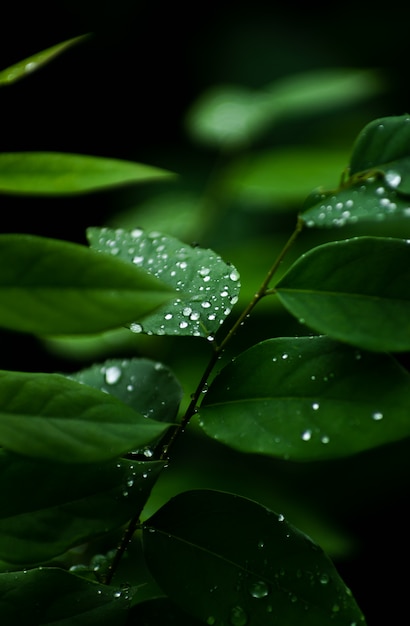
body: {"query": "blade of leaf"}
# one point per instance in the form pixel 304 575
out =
pixel 307 398
pixel 226 559
pixel 71 508
pixel 368 200
pixel 357 290
pixel 55 597
pixel 52 287
pixel 48 416
pixel 208 286
pixel 36 61
pixel 56 173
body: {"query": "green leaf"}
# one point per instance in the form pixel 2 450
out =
pixel 71 507
pixel 233 116
pixel 36 61
pixel 53 597
pixel 207 286
pixel 228 560
pixel 378 182
pixel 368 200
pixel 307 398
pixel 56 173
pixel 48 416
pixel 357 290
pixel 52 287
pixel 147 386
pixel 384 145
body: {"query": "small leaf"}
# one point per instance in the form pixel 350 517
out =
pixel 36 61
pixel 52 287
pixel 147 386
pixel 48 416
pixel 307 398
pixel 357 290
pixel 378 183
pixel 56 173
pixel 57 598
pixel 225 559
pixel 368 200
pixel 71 507
pixel 208 286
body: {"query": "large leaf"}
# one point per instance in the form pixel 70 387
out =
pixel 48 416
pixel 357 290
pixel 56 173
pixel 48 508
pixel 52 287
pixel 53 597
pixel 36 61
pixel 147 386
pixel 208 286
pixel 307 398
pixel 228 560
pixel 377 186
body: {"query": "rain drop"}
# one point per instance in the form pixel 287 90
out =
pixel 393 179
pixel 259 589
pixel 112 375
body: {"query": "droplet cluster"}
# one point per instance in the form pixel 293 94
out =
pixel 208 286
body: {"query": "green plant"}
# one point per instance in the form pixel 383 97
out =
pixel 82 538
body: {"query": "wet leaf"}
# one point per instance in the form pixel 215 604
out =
pixel 48 416
pixel 57 598
pixel 57 173
pixel 147 386
pixel 225 559
pixel 208 287
pixel 356 290
pixel 72 506
pixel 36 61
pixel 307 398
pixel 377 185
pixel 52 287
pixel 369 200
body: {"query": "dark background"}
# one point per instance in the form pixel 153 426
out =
pixel 123 93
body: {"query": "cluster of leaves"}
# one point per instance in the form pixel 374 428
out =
pixel 81 453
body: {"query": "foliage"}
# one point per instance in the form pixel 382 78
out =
pixel 90 529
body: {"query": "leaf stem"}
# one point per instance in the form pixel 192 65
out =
pixel 192 407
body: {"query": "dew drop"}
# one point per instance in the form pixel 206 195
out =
pixel 315 406
pixel 183 324
pixel 234 275
pixel 205 305
pixel 377 416
pixel 136 328
pixel 168 316
pixel 117 594
pixel 281 517
pixel 137 232
pixel 285 356
pixel 137 260
pixel 393 179
pixel 324 578
pixel 112 375
pixel 259 589
pixel 306 435
pixel 325 439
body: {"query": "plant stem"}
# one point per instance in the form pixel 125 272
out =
pixel 192 407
